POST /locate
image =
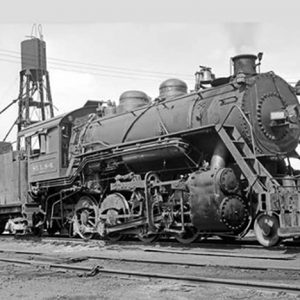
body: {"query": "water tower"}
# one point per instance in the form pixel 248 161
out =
pixel 35 101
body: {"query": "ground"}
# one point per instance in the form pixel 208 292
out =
pixel 38 281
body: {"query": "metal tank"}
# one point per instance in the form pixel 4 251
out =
pixel 172 88
pixel 131 100
pixel 33 55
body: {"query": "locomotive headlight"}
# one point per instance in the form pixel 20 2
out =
pixel 278 118
pixel 277 115
pixel 288 117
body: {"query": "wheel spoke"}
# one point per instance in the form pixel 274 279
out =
pixel 85 217
pixel 114 206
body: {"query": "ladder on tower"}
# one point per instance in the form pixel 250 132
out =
pixel 260 180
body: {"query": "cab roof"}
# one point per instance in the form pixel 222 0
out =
pixel 43 126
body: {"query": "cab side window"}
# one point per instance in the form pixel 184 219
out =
pixel 35 148
pixel 43 143
pixel 38 144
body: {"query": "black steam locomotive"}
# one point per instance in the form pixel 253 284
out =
pixel 214 161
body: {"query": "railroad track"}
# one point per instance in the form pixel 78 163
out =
pixel 208 256
pixel 94 270
pixel 208 249
pixel 194 263
pixel 213 242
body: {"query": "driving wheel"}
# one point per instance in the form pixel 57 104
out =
pixel 114 210
pixel 85 217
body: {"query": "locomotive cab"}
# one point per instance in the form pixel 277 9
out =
pixel 47 144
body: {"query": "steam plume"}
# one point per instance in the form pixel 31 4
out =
pixel 243 36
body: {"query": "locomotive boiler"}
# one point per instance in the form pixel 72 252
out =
pixel 185 164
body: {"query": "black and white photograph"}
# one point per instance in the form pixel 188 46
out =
pixel 150 150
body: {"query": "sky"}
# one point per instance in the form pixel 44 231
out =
pixel 99 51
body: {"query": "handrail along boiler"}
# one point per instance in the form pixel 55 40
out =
pixel 207 162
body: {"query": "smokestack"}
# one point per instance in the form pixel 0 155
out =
pixel 244 63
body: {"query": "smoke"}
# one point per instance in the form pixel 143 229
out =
pixel 243 37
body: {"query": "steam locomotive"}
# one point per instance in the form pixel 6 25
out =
pixel 214 161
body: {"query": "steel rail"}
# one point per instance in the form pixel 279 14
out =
pixel 156 262
pixel 210 245
pixel 199 279
pixel 224 254
pixel 205 244
pixel 219 253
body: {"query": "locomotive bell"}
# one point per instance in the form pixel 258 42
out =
pixel 244 63
pixel 204 76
